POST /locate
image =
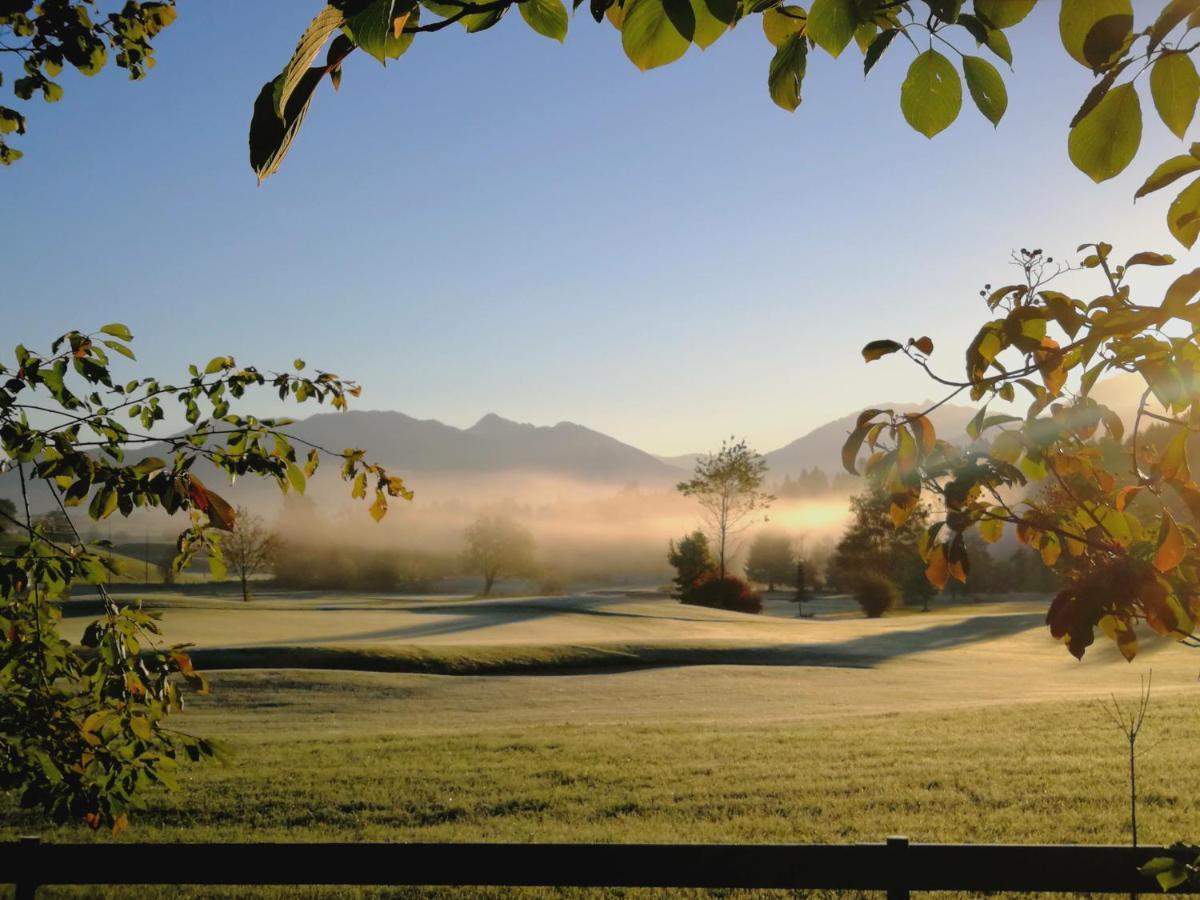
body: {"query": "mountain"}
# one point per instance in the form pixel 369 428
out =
pixel 491 445
pixel 822 447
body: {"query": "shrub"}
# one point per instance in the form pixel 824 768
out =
pixel 876 594
pixel 723 593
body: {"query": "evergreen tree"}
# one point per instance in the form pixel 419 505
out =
pixel 871 544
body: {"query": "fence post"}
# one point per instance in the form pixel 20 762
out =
pixel 27 886
pixel 897 856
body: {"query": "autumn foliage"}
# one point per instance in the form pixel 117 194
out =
pixel 1110 512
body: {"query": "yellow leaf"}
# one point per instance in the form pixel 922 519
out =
pixel 379 508
pixel 938 570
pixel 991 530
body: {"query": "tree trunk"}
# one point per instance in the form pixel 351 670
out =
pixel 489 579
pixel 245 589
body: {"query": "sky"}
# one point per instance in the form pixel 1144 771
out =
pixel 500 223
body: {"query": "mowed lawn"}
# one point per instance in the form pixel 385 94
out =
pixel 962 725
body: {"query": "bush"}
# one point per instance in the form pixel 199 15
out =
pixel 723 593
pixel 876 594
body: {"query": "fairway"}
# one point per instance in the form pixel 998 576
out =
pixel 965 724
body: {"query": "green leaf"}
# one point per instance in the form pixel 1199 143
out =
pixel 1175 87
pixel 546 17
pixel 369 28
pixel 296 477
pixel 713 19
pixel 831 24
pixel 1183 216
pixel 1104 141
pixel 271 137
pixel 931 95
pixel 878 46
pixel 477 22
pixel 997 42
pixel 116 329
pixel 119 348
pixel 786 72
pixel 780 22
pixel 986 87
pixel 657 32
pixel 1174 168
pixel 1091 30
pixel 1004 13
pixel 327 21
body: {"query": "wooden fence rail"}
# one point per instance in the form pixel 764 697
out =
pixel 895 867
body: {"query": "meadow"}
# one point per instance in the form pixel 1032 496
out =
pixel 965 724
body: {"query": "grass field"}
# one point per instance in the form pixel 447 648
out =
pixel 967 724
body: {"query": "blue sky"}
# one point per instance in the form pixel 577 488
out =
pixel 497 222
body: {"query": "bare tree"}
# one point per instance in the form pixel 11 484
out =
pixel 249 549
pixel 1130 722
pixel 496 545
pixel 727 485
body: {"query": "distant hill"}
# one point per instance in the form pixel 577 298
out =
pixel 822 447
pixel 493 444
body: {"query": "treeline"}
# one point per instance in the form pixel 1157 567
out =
pixel 815 483
pixel 330 565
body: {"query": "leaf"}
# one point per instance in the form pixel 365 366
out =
pixel 938 569
pixel 924 344
pixel 1170 170
pixel 379 508
pixel 931 95
pixel 1175 87
pixel 924 432
pixel 1107 40
pixel 1098 92
pixel 986 87
pixel 117 330
pixel 1181 291
pixel 1004 13
pixel 1171 549
pixel 296 477
pixel 1183 216
pixel 657 32
pixel 877 47
pixel 271 137
pixel 1081 20
pixel 546 17
pixel 781 22
pixel 327 21
pixel 220 514
pixel 992 529
pixel 997 42
pixel 851 447
pixel 786 72
pixel 1104 141
pixel 831 24
pixel 713 19
pixel 877 349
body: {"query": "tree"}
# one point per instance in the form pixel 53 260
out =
pixel 43 37
pixel 1106 527
pixel 771 559
pixel 727 485
pixel 878 542
pixel 692 560
pixel 84 730
pixel 249 548
pixel 801 579
pixel 496 546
